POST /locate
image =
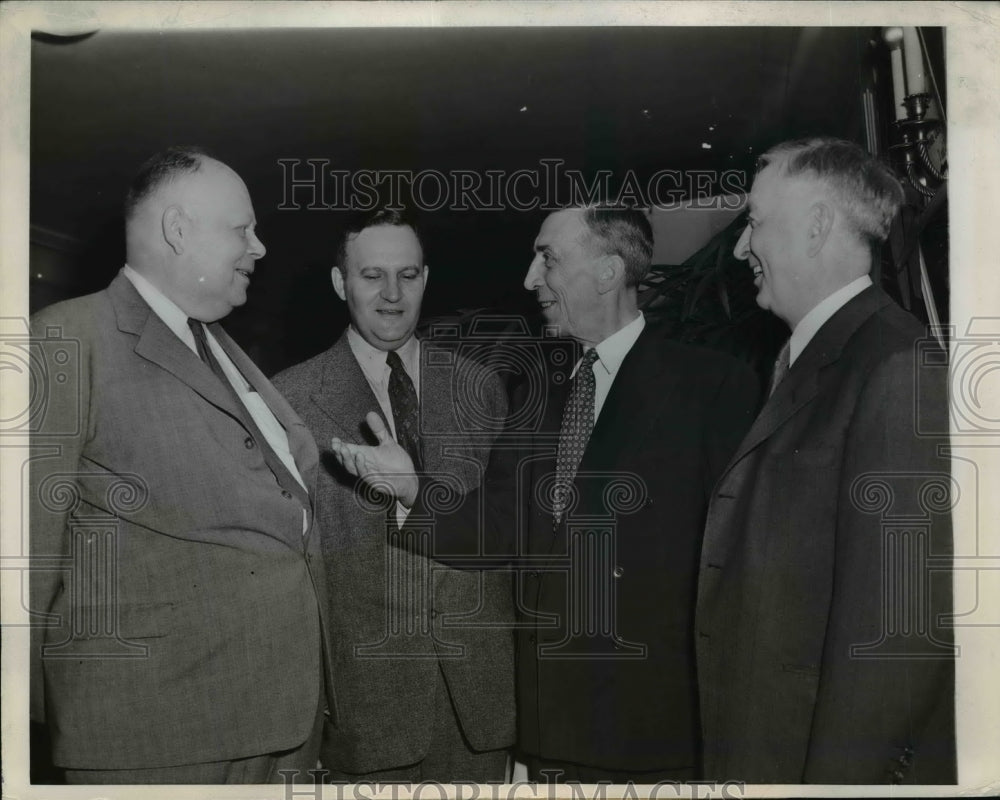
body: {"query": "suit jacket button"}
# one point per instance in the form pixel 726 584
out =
pixel 249 443
pixel 286 494
pixel 618 572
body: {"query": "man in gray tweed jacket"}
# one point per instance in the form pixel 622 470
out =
pixel 423 654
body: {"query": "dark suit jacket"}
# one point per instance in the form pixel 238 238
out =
pixel 458 623
pixel 605 656
pixel 183 619
pixel 797 571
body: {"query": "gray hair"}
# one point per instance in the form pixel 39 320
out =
pixel 865 189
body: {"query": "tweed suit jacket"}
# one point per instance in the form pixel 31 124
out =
pixel 389 645
pixel 605 669
pixel 178 599
pixel 824 654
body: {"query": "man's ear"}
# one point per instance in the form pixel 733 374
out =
pixel 820 220
pixel 338 282
pixel 174 224
pixel 610 273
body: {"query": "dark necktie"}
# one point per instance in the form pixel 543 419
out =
pixel 405 408
pixel 781 366
pixel 577 423
pixel 284 478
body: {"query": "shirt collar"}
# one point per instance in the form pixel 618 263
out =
pixel 372 360
pixel 612 351
pixel 165 308
pixel 810 324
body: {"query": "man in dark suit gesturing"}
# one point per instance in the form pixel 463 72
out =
pixel 825 582
pixel 600 508
pixel 175 561
pixel 423 653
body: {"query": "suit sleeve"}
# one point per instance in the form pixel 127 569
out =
pixel 58 430
pixel 885 703
pixel 479 523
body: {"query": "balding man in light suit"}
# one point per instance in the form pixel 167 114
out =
pixel 171 519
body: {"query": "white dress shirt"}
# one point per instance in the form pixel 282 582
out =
pixel 815 319
pixel 177 321
pixel 610 354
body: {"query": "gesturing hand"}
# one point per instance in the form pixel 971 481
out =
pixel 386 465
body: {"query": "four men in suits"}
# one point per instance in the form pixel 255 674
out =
pixel 600 508
pixel 423 654
pixel 177 580
pixel 177 502
pixel 824 653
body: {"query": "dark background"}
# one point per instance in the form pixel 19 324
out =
pixel 639 99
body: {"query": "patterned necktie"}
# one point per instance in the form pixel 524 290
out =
pixel 577 423
pixel 405 408
pixel 781 366
pixel 281 474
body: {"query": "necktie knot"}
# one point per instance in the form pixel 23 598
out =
pixel 393 361
pixel 200 340
pixel 781 366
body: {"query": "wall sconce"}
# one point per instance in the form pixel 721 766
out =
pixel 915 131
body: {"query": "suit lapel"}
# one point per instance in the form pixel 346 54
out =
pixel 343 393
pixel 642 389
pixel 160 345
pixel 300 441
pixel 801 385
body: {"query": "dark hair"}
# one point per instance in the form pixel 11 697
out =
pixel 160 169
pixel 372 219
pixel 624 232
pixel 865 189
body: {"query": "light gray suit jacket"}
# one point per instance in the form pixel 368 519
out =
pixel 178 599
pixel 396 618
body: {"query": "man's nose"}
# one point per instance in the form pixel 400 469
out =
pixel 390 289
pixel 534 277
pixel 257 249
pixel 742 249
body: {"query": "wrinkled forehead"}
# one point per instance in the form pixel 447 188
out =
pixel 394 246
pixel 774 185
pixel 561 227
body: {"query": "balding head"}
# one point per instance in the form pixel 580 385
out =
pixel 189 228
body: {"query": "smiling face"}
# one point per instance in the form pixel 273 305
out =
pixel 564 274
pixel 775 243
pixel 215 242
pixel 382 283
